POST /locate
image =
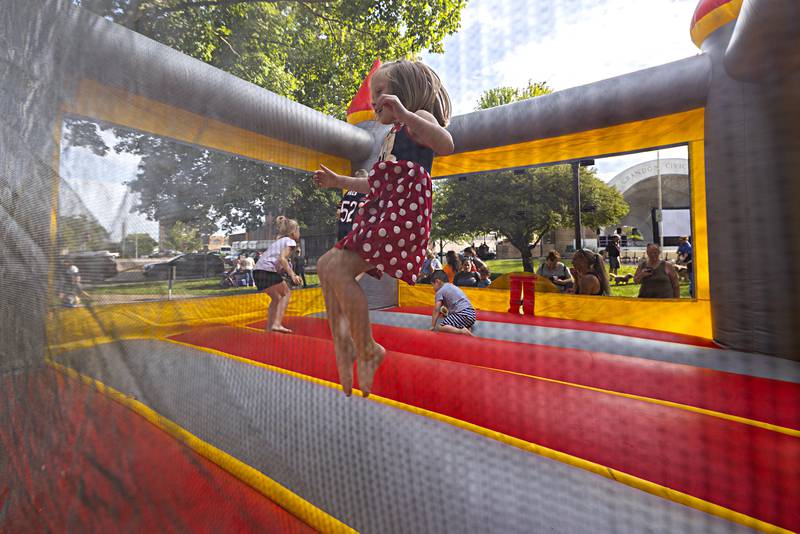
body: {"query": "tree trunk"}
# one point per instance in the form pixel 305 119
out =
pixel 521 243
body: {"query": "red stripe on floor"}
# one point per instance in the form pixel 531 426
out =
pixel 744 468
pixel 551 322
pixel 76 461
pixel 762 399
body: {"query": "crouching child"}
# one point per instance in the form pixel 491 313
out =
pixel 453 304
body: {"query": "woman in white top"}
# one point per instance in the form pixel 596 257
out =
pixel 267 274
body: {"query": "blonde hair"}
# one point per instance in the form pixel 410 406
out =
pixel 285 226
pixel 418 87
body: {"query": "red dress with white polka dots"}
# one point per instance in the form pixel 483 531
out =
pixel 392 228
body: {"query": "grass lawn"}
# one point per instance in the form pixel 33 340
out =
pixel 206 287
pixel 629 290
pixel 210 287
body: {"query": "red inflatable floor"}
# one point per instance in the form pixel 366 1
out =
pixel 760 399
pixel 73 460
pixel 741 467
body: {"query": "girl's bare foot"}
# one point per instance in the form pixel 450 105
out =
pixel 368 367
pixel 280 329
pixel 345 357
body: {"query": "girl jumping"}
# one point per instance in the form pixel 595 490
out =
pixel 267 274
pixel 390 231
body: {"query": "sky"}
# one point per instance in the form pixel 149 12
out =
pixel 566 43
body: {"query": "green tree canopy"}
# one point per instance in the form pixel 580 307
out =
pixel 500 96
pixel 211 190
pixel 183 238
pixel 81 233
pixel 314 52
pixel 522 205
pixel 137 245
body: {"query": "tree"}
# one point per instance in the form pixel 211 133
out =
pixel 211 190
pixel 183 238
pixel 500 96
pixel 522 205
pixel 135 245
pixel 314 52
pixel 81 233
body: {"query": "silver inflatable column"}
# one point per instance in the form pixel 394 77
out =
pixel 753 178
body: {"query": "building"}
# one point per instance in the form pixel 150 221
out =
pixel 639 187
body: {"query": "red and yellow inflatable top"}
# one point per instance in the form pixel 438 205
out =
pixel 711 15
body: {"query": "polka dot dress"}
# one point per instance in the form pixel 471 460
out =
pixel 392 228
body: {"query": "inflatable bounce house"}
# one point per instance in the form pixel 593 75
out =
pixel 586 414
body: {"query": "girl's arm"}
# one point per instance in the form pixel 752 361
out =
pixel 424 130
pixel 326 178
pixel 287 265
pixel 435 316
pixel 423 127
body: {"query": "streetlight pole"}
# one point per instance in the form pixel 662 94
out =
pixel 576 187
pixel 576 191
pixel 659 217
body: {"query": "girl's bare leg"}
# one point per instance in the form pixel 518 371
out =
pixel 340 328
pixel 274 316
pixel 282 305
pixel 344 267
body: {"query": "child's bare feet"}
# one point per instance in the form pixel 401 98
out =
pixel 345 357
pixel 367 367
pixel 281 329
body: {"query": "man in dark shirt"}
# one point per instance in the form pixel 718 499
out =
pixel 614 251
pixel 685 258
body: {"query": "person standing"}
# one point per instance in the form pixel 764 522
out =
pixel 685 259
pixel 657 277
pixel 274 261
pixel 614 251
pixel 299 265
pixel 247 265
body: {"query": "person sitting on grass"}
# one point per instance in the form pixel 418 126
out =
pixel 466 277
pixel 450 301
pixel 485 280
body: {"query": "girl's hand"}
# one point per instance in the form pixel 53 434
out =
pixel 296 280
pixel 326 178
pixel 393 105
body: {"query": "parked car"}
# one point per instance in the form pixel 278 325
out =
pixel 94 266
pixel 193 265
pixel 164 254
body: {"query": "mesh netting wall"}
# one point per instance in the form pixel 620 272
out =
pixel 142 388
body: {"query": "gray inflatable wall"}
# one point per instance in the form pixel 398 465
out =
pixel 753 178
